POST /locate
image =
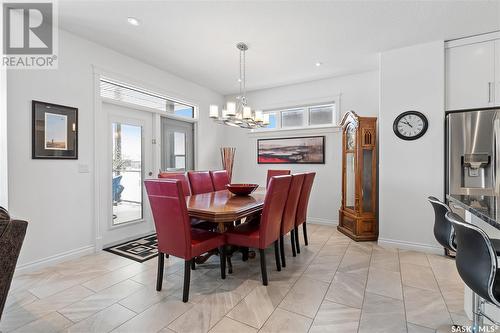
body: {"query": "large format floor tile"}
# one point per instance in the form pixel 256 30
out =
pixel 333 285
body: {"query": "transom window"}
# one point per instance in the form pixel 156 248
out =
pixel 306 116
pixel 123 93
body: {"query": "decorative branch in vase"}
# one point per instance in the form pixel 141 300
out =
pixel 227 155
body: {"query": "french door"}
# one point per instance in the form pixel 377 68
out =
pixel 126 160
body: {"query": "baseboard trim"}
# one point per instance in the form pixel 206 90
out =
pixel 57 258
pixel 321 221
pixel 384 242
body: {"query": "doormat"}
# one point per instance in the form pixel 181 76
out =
pixel 140 249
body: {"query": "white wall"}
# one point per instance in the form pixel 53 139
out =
pixel 358 92
pixel 411 78
pixel 56 199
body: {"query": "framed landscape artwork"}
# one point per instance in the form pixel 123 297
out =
pixel 54 131
pixel 303 150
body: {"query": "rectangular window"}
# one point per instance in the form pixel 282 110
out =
pixel 123 93
pixel 303 117
pixel 321 115
pixel 292 118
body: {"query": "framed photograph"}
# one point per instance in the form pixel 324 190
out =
pixel 54 131
pixel 302 150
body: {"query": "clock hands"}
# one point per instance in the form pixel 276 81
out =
pixel 407 123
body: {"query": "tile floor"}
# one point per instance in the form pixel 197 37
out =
pixel 334 285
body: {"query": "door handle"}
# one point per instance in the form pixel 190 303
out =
pixel 150 173
pixel 489 92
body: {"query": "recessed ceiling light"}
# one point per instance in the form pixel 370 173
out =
pixel 133 21
pixel 239 79
pixel 318 63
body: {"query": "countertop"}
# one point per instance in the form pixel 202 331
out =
pixel 483 206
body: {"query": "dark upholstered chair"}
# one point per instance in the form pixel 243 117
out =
pixel 443 229
pixel 200 181
pixel 174 232
pixel 301 215
pixel 12 234
pixel 220 179
pixel 288 221
pixel 262 235
pixel 477 264
pixel 182 176
pixel 272 173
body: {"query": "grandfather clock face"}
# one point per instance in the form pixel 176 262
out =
pixel 350 137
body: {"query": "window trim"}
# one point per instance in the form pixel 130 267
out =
pixel 306 116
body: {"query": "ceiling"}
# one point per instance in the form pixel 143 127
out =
pixel 197 40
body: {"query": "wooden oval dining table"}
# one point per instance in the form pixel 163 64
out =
pixel 224 208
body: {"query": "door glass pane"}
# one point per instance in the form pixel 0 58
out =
pixel 321 115
pixel 367 180
pixel 350 180
pixel 180 162
pixel 292 118
pixel 179 143
pixel 127 173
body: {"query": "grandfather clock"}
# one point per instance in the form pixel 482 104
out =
pixel 358 212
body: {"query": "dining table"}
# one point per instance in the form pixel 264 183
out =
pixel 224 209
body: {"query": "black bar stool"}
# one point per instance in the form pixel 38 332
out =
pixel 477 265
pixel 443 229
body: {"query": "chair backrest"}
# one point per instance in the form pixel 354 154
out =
pixel 305 193
pixel 200 182
pixel 12 234
pixel 220 179
pixel 182 176
pixel 476 258
pixel 288 222
pixel 443 229
pixel 168 205
pixel 272 213
pixel 272 173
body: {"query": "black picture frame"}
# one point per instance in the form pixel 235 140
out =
pixel 404 114
pixel 261 160
pixel 60 140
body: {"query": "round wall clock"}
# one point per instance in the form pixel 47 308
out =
pixel 410 125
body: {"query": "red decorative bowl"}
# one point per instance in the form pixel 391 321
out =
pixel 241 189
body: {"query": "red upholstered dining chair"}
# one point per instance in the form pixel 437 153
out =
pixel 301 215
pixel 220 179
pixel 289 214
pixel 182 176
pixel 200 181
pixel 272 173
pixel 261 235
pixel 174 232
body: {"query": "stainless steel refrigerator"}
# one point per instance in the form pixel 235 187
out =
pixel 472 152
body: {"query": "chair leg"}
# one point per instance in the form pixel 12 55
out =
pixel 277 255
pixel 159 275
pixel 222 254
pixel 282 252
pixel 292 240
pixel 244 253
pixel 187 280
pixel 297 246
pixel 263 269
pixel 166 255
pixel 304 228
pixel 193 265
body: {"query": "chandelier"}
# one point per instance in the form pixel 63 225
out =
pixel 239 114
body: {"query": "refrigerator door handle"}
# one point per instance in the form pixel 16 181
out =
pixel 496 145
